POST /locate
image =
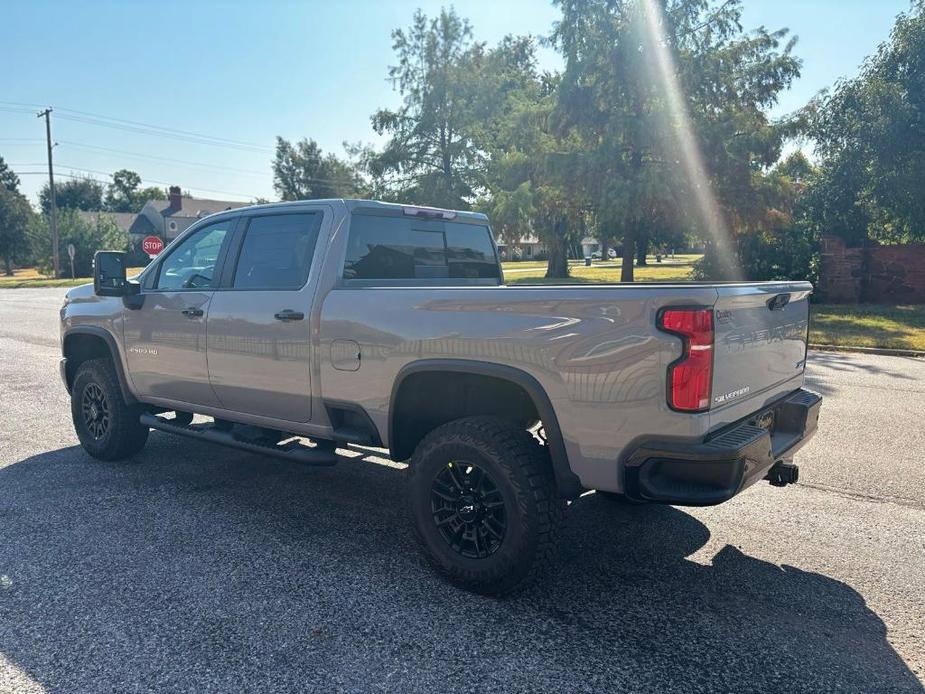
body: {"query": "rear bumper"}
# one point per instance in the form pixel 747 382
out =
pixel 726 462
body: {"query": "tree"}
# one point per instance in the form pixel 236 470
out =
pixel 431 156
pixel 669 96
pixel 125 193
pixel 149 193
pixel 869 135
pixel 120 197
pixel 303 172
pixel 87 236
pixel 8 179
pixel 15 213
pixel 77 193
pixel 784 246
pixel 535 187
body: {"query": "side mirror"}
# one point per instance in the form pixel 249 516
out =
pixel 109 273
pixel 133 299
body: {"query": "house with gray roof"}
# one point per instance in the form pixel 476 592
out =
pixel 123 220
pixel 168 218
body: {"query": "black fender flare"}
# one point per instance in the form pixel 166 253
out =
pixel 567 482
pixel 114 353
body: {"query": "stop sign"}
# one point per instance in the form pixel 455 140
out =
pixel 152 245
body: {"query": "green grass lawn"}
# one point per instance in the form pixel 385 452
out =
pixel 25 278
pixel 893 327
pixel 675 269
pixel 595 275
pixel 17 283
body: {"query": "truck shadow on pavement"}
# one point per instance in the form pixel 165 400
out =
pixel 195 568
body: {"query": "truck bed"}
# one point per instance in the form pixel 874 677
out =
pixel 596 350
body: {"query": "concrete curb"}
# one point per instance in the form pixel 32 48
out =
pixel 870 350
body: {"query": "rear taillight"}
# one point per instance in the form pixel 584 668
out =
pixel 690 378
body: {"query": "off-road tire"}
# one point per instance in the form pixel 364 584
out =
pixel 520 470
pixel 122 435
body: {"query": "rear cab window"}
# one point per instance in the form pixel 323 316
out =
pixel 276 251
pixel 403 249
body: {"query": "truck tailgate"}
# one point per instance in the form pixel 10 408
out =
pixel 761 333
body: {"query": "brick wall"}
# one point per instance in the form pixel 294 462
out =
pixel 871 274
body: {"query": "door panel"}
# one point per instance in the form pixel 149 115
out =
pixel 165 340
pixel 258 364
pixel 259 344
pixel 166 349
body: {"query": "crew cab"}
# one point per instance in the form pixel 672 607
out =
pixel 293 329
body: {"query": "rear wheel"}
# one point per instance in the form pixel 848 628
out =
pixel 484 504
pixel 107 427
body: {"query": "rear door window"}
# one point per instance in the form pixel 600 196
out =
pixel 399 248
pixel 277 251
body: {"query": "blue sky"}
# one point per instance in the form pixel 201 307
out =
pixel 247 72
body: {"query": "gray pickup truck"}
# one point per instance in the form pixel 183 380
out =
pixel 291 329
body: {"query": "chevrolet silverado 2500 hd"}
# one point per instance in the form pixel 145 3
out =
pixel 294 328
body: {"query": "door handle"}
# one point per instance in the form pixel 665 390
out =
pixel 192 312
pixel 288 314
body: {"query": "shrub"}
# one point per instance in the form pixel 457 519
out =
pixel 88 237
pixel 786 253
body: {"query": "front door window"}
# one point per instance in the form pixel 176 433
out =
pixel 191 265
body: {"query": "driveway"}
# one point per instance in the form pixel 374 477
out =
pixel 195 568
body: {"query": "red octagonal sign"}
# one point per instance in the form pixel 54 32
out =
pixel 152 245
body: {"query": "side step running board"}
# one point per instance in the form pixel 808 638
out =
pixel 292 451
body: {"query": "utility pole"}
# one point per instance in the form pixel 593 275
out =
pixel 51 189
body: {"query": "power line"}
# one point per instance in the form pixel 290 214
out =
pixel 170 130
pixel 143 180
pixel 170 133
pixel 23 103
pixel 156 181
pixel 141 128
pixel 45 173
pixel 155 133
pixel 249 172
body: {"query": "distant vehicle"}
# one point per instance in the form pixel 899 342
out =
pixel 295 328
pixel 611 253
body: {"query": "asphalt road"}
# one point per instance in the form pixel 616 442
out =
pixel 201 569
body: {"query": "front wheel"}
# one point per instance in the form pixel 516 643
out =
pixel 484 504
pixel 107 427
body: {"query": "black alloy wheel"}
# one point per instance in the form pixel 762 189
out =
pixel 483 501
pixel 95 408
pixel 468 509
pixel 108 427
